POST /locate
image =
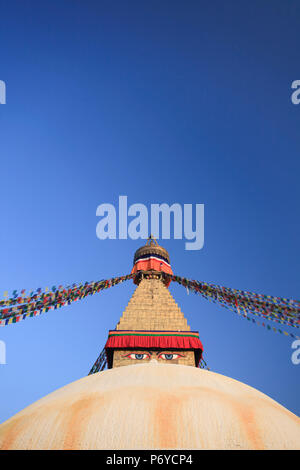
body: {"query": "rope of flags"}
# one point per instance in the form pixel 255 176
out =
pixel 203 364
pixel 20 306
pixel 266 325
pixel 244 303
pixel 100 364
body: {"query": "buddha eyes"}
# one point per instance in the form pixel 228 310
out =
pixel 141 356
pixel 169 357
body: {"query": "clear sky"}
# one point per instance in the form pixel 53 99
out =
pixel 162 101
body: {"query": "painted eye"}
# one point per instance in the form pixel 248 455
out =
pixel 169 357
pixel 139 357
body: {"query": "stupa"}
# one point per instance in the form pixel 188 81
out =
pixel 153 394
pixel 152 326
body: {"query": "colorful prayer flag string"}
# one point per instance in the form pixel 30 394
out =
pixel 203 364
pixel 266 325
pixel 16 309
pixel 100 364
pixel 276 309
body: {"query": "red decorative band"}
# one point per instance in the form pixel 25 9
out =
pixel 151 263
pixel 122 339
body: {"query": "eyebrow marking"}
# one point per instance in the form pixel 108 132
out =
pixel 141 352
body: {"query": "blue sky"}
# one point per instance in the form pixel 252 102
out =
pixel 185 102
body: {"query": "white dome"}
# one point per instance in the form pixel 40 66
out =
pixel 153 406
